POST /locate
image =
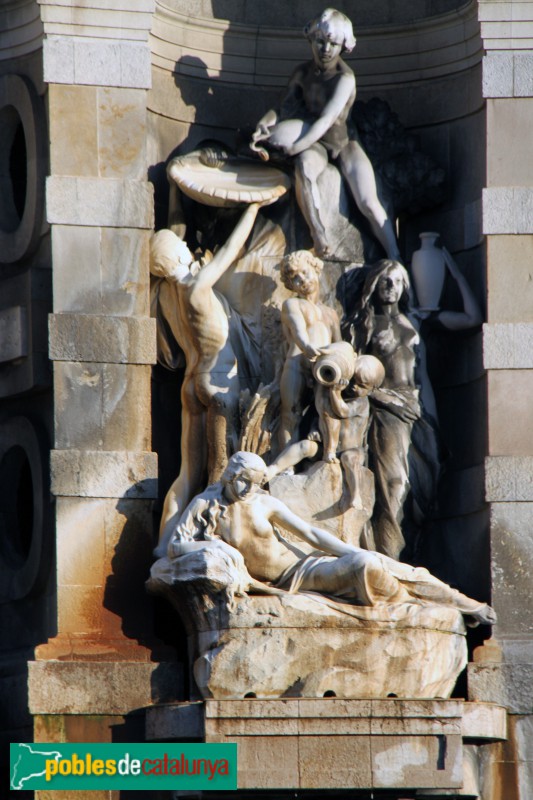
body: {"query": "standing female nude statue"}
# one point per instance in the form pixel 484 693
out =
pixel 314 125
pixel 403 441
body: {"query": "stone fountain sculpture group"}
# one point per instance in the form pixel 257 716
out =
pixel 310 447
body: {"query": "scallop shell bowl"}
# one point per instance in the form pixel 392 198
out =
pixel 214 178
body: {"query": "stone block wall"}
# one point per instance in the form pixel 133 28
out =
pixel 26 414
pixel 97 658
pixel 503 668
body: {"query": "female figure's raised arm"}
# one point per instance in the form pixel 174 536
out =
pixel 471 315
pixel 224 258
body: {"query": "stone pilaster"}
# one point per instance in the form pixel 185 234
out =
pixel 102 343
pixel 503 668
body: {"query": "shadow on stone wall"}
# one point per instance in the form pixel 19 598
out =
pixel 143 619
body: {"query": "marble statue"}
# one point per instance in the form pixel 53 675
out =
pixel 308 326
pixel 344 421
pixel 380 325
pixel 277 607
pixel 314 125
pixel 404 445
pixel 216 350
pixel 337 417
pixel 238 512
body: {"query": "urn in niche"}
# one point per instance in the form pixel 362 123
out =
pixel 428 269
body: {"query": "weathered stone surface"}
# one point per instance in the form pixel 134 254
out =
pixel 498 75
pixel 510 296
pixel 475 721
pixel 320 496
pixel 117 20
pixel 523 73
pixel 509 478
pixel 330 659
pixel 403 761
pixel 103 474
pixel 336 743
pixel 308 645
pixel 521 731
pixel 483 721
pixel 104 551
pixel 508 209
pixel 335 762
pixel 510 415
pixel 508 684
pixel 69 687
pixel 508 346
pixel 102 406
pixel 175 721
pixel 13 333
pixel 509 120
pixel 73 136
pixel 100 270
pixel 88 201
pixel 122 133
pixel 512 566
pixel 103 339
pixel 96 62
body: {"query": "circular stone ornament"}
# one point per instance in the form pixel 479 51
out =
pixel 226 181
pixel 21 509
pixel 22 139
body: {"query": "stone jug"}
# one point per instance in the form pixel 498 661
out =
pixel 336 363
pixel 280 135
pixel 428 269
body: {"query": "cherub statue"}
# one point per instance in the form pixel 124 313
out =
pixel 315 125
pixel 236 512
pixel 342 427
pixel 344 421
pixel 308 326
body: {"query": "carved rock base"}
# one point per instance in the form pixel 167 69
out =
pixel 295 646
pixel 307 645
pixel 320 496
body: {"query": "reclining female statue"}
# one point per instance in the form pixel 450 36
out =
pixel 245 521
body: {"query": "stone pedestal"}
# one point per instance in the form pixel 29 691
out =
pixel 306 644
pixel 334 744
pixel 321 497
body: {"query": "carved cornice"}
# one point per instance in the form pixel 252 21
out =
pixel 102 19
pixel 21 29
pixel 243 54
pixel 506 25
